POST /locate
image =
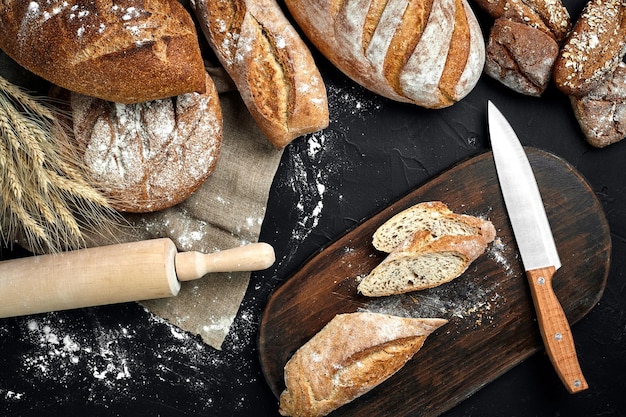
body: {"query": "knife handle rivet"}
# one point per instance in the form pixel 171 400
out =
pixel 541 280
pixel 577 383
pixel 558 337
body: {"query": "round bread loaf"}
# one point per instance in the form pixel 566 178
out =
pixel 427 52
pixel 152 155
pixel 125 52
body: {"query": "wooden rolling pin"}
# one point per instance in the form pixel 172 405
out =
pixel 114 274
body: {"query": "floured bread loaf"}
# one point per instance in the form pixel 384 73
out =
pixel 351 355
pixel 428 245
pixel 427 52
pixel 124 52
pixel 271 66
pixel 594 48
pixel 152 155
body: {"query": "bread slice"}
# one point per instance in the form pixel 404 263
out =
pixel 432 216
pixel 351 355
pixel 428 245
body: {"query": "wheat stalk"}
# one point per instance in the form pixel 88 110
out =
pixel 45 196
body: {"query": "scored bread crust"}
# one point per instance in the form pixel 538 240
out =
pixel 144 50
pixel 269 63
pixel 152 155
pixel 351 355
pixel 427 52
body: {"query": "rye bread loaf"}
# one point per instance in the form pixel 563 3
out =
pixel 594 48
pixel 152 155
pixel 350 356
pixel 122 52
pixel 427 52
pixel 601 113
pixel 269 63
pixel 428 245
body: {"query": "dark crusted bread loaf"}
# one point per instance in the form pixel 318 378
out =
pixel 125 52
pixel 428 245
pixel 427 52
pixel 601 113
pixel 151 155
pixel 271 66
pixel 594 48
pixel 351 355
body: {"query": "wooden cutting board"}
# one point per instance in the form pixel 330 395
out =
pixel 492 323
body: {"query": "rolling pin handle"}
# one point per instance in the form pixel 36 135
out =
pixel 251 257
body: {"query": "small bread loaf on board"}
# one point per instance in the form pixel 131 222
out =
pixel 427 52
pixel 269 63
pixel 594 48
pixel 351 355
pixel 139 51
pixel 149 156
pixel 601 113
pixel 428 245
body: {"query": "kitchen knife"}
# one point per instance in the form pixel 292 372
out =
pixel 112 274
pixel 536 246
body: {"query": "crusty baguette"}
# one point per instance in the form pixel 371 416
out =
pixel 269 63
pixel 432 216
pixel 594 48
pixel 427 52
pixel 351 355
pixel 144 50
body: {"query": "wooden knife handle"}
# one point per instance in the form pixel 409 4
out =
pixel 555 330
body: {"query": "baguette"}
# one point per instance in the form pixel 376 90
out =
pixel 269 63
pixel 350 356
pixel 142 51
pixel 427 245
pixel 426 52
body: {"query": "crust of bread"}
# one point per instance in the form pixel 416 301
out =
pixel 269 63
pixel 432 56
pixel 351 355
pixel 152 155
pixel 146 50
pixel 594 48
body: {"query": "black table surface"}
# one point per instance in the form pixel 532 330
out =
pixel 120 360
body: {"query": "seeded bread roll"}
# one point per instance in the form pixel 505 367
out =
pixel 271 66
pixel 350 356
pixel 143 50
pixel 594 48
pixel 152 155
pixel 428 245
pixel 427 52
pixel 601 113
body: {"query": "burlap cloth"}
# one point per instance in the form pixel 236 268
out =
pixel 226 211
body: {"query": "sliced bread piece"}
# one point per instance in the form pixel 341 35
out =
pixel 351 355
pixel 427 263
pixel 434 217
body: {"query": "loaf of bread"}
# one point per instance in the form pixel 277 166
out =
pixel 152 155
pixel 350 356
pixel 126 53
pixel 271 66
pixel 427 52
pixel 428 245
pixel 594 48
pixel 524 42
pixel 601 113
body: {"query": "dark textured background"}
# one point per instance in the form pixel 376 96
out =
pixel 119 360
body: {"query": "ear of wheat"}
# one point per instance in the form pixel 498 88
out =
pixel 45 198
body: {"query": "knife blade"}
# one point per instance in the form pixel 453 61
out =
pixel 537 248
